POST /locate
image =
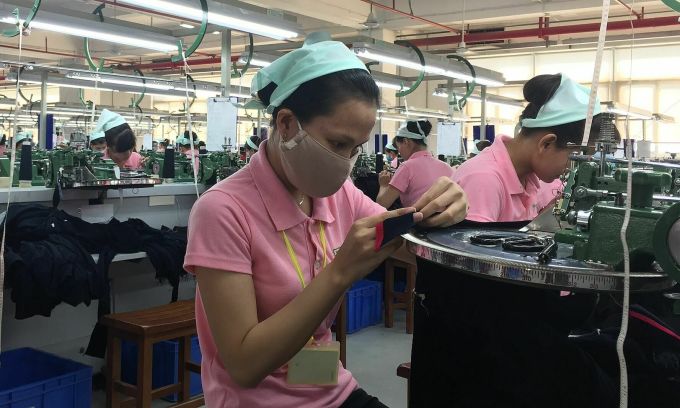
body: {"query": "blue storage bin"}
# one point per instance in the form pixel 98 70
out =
pixel 165 363
pixel 33 378
pixel 364 305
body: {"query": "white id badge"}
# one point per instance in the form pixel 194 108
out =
pixel 315 364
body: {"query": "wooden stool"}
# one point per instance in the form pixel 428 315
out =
pixel 145 328
pixel 404 371
pixel 400 300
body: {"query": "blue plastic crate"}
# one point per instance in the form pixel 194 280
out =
pixel 33 378
pixel 364 305
pixel 164 368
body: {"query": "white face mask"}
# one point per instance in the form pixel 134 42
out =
pixel 311 167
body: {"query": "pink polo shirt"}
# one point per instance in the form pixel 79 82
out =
pixel 417 174
pixel 197 160
pixel 494 191
pixel 236 226
pixel 134 162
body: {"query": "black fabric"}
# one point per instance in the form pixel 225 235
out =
pixel 360 399
pixel 49 262
pixel 483 343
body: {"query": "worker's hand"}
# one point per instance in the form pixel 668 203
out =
pixel 384 178
pixel 357 256
pixel 443 205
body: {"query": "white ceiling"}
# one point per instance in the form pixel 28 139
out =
pixel 340 18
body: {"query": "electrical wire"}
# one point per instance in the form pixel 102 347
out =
pixel 189 126
pixel 625 310
pixel 11 180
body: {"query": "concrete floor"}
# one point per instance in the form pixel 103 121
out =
pixel 373 355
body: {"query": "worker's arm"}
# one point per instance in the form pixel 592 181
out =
pixel 250 350
pixel 387 194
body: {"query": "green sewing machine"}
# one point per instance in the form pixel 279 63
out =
pixel 183 170
pixel 593 205
pixel 218 166
pixel 41 168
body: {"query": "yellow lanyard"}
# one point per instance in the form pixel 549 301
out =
pixel 293 257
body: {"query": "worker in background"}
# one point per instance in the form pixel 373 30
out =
pixel 120 141
pixel 251 146
pixel 202 147
pixel 275 246
pixel 417 173
pixel 20 138
pixel 3 145
pixel 515 178
pixel 185 147
pixel 478 147
pixel 162 144
pixel 392 155
pixel 98 141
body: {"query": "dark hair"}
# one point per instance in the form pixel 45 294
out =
pixel 3 141
pixel 482 144
pixel 412 126
pixel 164 142
pixel 256 141
pixel 194 136
pixel 120 138
pixel 322 95
pixel 538 91
pixel 201 143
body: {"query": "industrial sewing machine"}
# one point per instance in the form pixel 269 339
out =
pixel 183 170
pixel 41 168
pixel 87 169
pixel 218 166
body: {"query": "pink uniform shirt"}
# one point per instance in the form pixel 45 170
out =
pixel 236 226
pixel 417 174
pixel 134 162
pixel 197 160
pixel 494 191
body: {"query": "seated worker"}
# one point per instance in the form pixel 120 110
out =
pixel 392 155
pixel 185 147
pixel 120 141
pixel 417 173
pixel 3 145
pixel 478 147
pixel 275 246
pixel 251 146
pixel 202 147
pixel 162 144
pixel 98 141
pixel 515 178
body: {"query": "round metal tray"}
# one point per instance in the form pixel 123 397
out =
pixel 452 249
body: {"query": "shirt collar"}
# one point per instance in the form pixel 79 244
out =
pixel 422 153
pixel 282 209
pixel 508 173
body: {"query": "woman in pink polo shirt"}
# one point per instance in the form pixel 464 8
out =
pixel 120 141
pixel 515 178
pixel 392 154
pixel 417 173
pixel 275 246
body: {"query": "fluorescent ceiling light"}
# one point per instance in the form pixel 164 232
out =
pixel 258 59
pixel 102 31
pixel 217 32
pixel 185 25
pixel 108 79
pixel 434 64
pixel 490 99
pixel 225 16
pixel 389 85
pixel 632 113
pixel 391 118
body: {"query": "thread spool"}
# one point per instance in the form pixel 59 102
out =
pixel 26 165
pixel 169 165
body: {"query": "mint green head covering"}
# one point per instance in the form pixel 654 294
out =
pixel 183 141
pixel 390 146
pixel 318 56
pixel 21 136
pixel 568 104
pixel 404 132
pixel 108 120
pixel 97 136
pixel 252 145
